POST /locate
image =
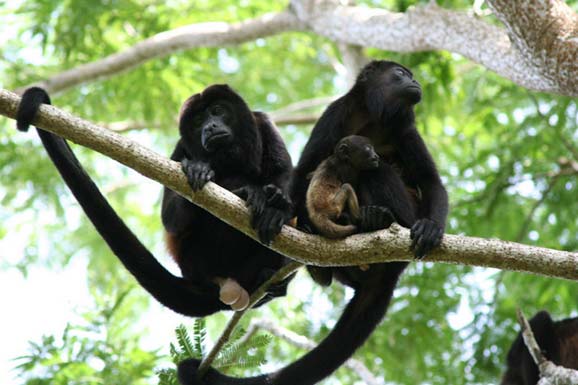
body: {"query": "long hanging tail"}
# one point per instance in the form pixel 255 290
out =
pixel 171 291
pixel 359 319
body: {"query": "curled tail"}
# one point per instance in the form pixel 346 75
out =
pixel 174 292
pixel 359 319
pixel 330 229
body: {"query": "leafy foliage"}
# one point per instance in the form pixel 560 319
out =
pixel 89 353
pixel 507 156
pixel 239 352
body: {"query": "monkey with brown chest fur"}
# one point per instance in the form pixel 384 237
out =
pixel 331 196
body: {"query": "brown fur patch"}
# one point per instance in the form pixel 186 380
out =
pixel 173 245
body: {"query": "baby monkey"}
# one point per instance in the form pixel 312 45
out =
pixel 331 187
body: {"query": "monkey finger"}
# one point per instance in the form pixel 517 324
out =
pixel 257 216
pixel 275 224
pixel 259 224
pixel 210 175
pixel 440 236
pixel 269 227
pixel 419 251
pixel 417 229
pixel 414 242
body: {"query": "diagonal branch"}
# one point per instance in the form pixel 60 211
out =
pixel 213 34
pixel 427 27
pixel 550 374
pixel 380 246
pixel 305 343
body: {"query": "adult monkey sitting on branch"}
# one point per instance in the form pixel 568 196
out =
pixel 221 140
pixel 380 107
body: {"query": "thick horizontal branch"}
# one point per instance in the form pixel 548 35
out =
pixel 420 28
pixel 380 246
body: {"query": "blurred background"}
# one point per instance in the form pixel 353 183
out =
pixel 71 314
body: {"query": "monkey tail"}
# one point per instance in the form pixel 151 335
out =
pixel 330 229
pixel 359 319
pixel 173 292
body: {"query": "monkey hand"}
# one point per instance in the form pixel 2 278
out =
pixel 276 198
pixel 268 211
pixel 278 289
pixel 372 218
pixel 198 173
pixel 425 235
pixel 269 223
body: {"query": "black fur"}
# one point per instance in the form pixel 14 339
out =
pixel 558 341
pixel 204 236
pixel 379 106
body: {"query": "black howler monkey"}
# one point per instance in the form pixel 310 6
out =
pixel 331 194
pixel 221 140
pixel 558 340
pixel 380 107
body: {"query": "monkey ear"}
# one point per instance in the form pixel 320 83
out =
pixel 342 151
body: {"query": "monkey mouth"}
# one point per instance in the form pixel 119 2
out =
pixel 216 141
pixel 373 164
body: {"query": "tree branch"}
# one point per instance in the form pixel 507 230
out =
pixel 261 291
pixel 380 246
pixel 212 34
pixel 545 33
pixel 304 343
pixel 421 28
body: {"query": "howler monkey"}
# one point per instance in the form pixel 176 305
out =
pixel 379 106
pixel 558 340
pixel 331 196
pixel 221 140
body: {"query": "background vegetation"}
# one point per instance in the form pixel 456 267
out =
pixel 505 154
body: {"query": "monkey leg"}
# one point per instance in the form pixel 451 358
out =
pixel 346 196
pixel 384 187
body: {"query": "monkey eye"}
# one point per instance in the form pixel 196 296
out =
pixel 218 110
pixel 400 72
pixel 197 120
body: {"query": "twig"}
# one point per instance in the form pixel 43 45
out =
pixel 535 207
pixel 280 275
pixel 529 339
pixel 305 343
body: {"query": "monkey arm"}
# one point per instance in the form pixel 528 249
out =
pixel 177 213
pixel 268 195
pixel 420 170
